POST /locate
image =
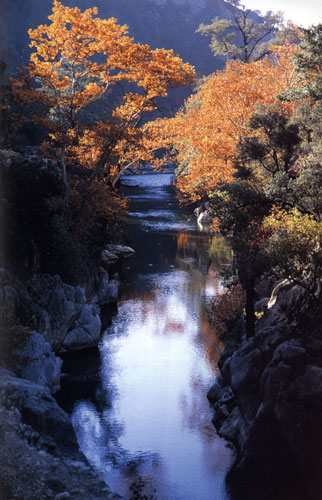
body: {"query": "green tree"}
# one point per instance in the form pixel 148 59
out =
pixel 245 36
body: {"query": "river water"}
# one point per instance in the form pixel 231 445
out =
pixel 139 404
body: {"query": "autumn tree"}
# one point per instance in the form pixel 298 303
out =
pixel 246 35
pixel 77 59
pixel 213 138
pixel 206 133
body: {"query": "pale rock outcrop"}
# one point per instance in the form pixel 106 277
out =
pixel 86 329
pixel 36 362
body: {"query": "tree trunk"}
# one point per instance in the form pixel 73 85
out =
pixel 250 312
pixel 64 173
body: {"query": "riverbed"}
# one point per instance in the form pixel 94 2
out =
pixel 138 404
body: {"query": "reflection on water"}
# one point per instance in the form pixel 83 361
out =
pixel 148 414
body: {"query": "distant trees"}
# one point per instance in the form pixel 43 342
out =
pixel 245 36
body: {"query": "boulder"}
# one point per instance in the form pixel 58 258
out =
pixel 112 253
pixel 86 329
pixel 291 353
pixel 36 362
pixel 38 448
pixel 120 250
pixel 108 258
pixel 204 218
pixel 308 388
pixel 107 290
pixel 37 407
pixel 51 306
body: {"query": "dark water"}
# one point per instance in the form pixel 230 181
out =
pixel 140 407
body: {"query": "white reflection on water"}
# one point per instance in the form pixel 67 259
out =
pixel 154 356
pixel 159 358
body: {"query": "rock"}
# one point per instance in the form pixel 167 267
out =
pixel 204 217
pixel 103 292
pixel 107 290
pixel 37 407
pixel 261 305
pixel 268 401
pixel 37 362
pixel 120 250
pixel 291 353
pixel 246 367
pixel 8 296
pixel 112 253
pixel 308 388
pixel 108 258
pixel 86 330
pixel 32 472
pixel 274 381
pixel 113 290
pixel 51 306
pixel 62 496
pixel 216 392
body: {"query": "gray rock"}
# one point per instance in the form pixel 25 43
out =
pixel 246 369
pixel 86 330
pixel 62 496
pixel 261 305
pixel 108 258
pixel 107 289
pixel 112 253
pixel 291 353
pixel 308 388
pixel 8 296
pixel 37 362
pixel 37 407
pixel 113 290
pixel 204 218
pixel 274 381
pixel 122 251
pixel 34 472
pixel 54 306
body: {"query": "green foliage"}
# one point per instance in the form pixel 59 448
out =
pixel 245 35
pixel 276 147
pixel 309 62
pixel 294 248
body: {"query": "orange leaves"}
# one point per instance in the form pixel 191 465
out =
pixel 205 134
pixel 227 306
pixel 77 58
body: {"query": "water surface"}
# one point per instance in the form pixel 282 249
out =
pixel 142 411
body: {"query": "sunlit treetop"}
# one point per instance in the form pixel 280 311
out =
pixel 205 134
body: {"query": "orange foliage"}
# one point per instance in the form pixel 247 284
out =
pixel 78 58
pixel 227 306
pixel 205 134
pixel 93 211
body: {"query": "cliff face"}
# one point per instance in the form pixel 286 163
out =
pixel 267 400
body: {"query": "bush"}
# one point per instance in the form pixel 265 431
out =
pixel 226 307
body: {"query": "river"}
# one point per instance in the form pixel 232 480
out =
pixel 138 404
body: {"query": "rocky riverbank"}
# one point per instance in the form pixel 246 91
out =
pixel 39 452
pixel 267 401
